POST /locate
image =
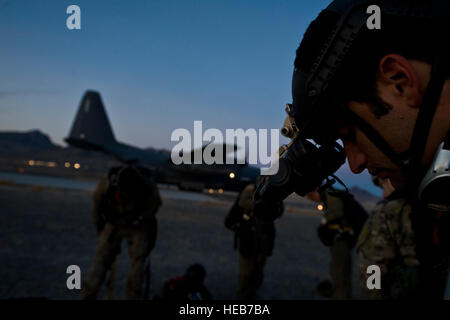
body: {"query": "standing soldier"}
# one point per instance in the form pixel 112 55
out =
pixel 255 240
pixel 125 204
pixel 339 229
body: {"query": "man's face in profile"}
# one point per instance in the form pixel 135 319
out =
pixel 401 84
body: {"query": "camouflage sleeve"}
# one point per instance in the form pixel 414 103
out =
pixel 387 241
pixel 98 198
pixel 405 237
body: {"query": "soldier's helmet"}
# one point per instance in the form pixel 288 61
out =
pixel 195 274
pixel 337 58
pixel 131 183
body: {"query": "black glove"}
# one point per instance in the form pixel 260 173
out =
pixel 326 235
pixel 231 223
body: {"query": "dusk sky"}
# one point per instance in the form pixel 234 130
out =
pixel 159 65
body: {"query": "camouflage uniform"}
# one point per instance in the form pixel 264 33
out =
pixel 340 246
pixel 139 232
pixel 256 240
pixel 251 266
pixel 387 241
pixel 403 239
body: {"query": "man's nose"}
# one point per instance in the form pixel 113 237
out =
pixel 357 160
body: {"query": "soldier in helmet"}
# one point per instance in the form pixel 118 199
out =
pixel 339 229
pixel 125 205
pixel 255 240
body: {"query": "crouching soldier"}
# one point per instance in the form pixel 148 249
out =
pixel 125 204
pixel 188 287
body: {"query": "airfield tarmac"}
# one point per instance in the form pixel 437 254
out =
pixel 44 229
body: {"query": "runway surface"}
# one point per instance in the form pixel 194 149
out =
pixel 45 229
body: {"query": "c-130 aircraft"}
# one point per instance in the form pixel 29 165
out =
pixel 91 130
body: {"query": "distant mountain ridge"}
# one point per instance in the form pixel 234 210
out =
pixel 23 142
pixel 35 144
pixel 35 141
pixel 363 195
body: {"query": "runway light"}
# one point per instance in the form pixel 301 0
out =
pixel 31 163
pixel 76 166
pixel 51 164
pixel 220 190
pixel 67 164
pixel 320 207
pixel 232 175
pixel 211 191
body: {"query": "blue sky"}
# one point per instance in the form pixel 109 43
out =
pixel 159 65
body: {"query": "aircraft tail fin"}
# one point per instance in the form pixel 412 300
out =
pixel 91 128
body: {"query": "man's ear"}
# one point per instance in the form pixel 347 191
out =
pixel 399 76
